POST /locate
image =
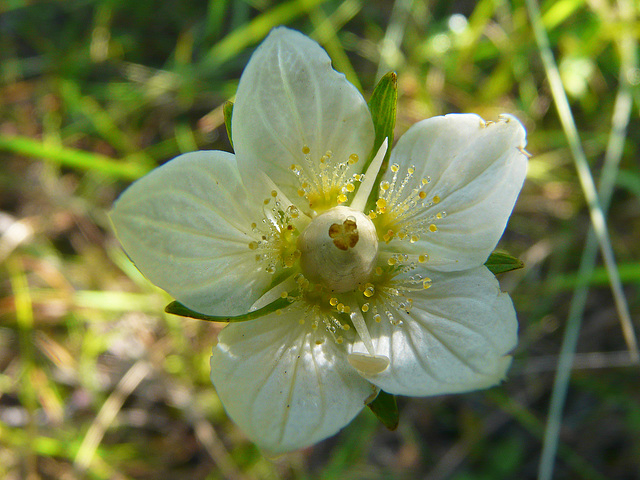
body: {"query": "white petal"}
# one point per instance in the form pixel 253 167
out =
pixel 283 389
pixel 477 170
pixel 289 97
pixel 456 337
pixel 187 227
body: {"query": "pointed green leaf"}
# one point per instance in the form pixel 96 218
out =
pixel 227 110
pixel 385 408
pixel 176 308
pixel 382 105
pixel 500 262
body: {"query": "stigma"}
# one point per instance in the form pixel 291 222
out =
pixel 339 249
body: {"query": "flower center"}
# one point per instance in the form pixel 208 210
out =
pixel 339 249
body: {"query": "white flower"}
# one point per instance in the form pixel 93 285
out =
pixel 395 299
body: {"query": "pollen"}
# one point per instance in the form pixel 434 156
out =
pixel 324 180
pixel 369 290
pixel 277 234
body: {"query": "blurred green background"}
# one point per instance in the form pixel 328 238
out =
pixel 96 382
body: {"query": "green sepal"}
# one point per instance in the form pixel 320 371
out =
pixel 176 308
pixel 385 408
pixel 227 110
pixel 500 262
pixel 382 105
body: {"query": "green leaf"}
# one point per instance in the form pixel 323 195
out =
pixel 385 408
pixel 500 262
pixel 176 308
pixel 382 105
pixel 227 110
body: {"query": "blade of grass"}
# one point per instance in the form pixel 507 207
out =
pixel 70 157
pixel 584 175
pixel 621 115
pixel 108 412
pixel 390 46
pixel 24 318
pixel 326 28
pixel 252 32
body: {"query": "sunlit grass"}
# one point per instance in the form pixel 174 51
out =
pixel 97 382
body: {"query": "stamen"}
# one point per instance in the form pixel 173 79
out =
pixel 361 327
pixel 325 184
pixel 360 200
pixel 368 364
pixel 277 234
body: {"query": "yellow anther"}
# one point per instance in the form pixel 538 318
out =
pixel 365 307
pixel 392 261
pixel 422 258
pixel 340 307
pixel 377 317
pixel 422 195
pixel 395 167
pixel 306 150
pixel 350 187
pixel 342 198
pixel 274 194
pixel 378 270
pixel 436 199
pixel 284 294
pixel 381 203
pixel 353 158
pixel 346 326
pixel 333 301
pixel 439 216
pixel 414 238
pixel 253 245
pixel 411 170
pixel 433 228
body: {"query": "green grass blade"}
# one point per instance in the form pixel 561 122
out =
pixel 69 157
pixel 254 31
pixel 597 234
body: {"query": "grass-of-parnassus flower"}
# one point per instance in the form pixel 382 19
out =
pixel 393 297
